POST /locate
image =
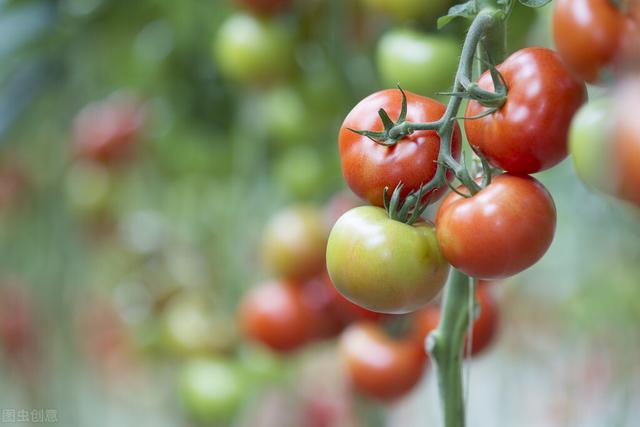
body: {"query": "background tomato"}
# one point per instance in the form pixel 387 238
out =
pixel 529 132
pixel 418 62
pixel 294 243
pixel 252 49
pixel 627 140
pixel 380 366
pixel 369 167
pixel 382 264
pixel 500 231
pixel 275 315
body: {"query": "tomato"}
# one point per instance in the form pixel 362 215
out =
pixel 274 314
pixel 107 131
pixel 265 6
pixel 500 231
pixel 89 187
pixel 318 299
pixel 380 366
pixel 369 167
pixel 408 10
pixel 252 49
pixel 299 172
pixel 590 147
pixel 284 115
pixel 626 141
pixel 294 243
pixel 485 326
pixel 343 309
pixel 529 132
pixel 590 35
pixel 211 389
pixel 419 62
pixel 385 265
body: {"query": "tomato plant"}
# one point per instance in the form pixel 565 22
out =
pixel 528 133
pixel 368 167
pixel 590 35
pixel 378 365
pixel 500 231
pixel 419 62
pixel 382 264
pixel 294 243
pixel 274 314
pixel 250 49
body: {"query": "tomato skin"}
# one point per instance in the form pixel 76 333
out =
pixel 419 62
pixel 369 167
pixel 294 243
pixel 528 133
pixel 266 7
pixel 588 35
pixel 500 231
pixel 626 141
pixel 250 49
pixel 274 314
pixel 384 265
pixel 379 366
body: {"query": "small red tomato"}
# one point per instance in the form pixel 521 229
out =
pixel 369 167
pixel 590 35
pixel 319 299
pixel 379 366
pixel 626 141
pixel 107 131
pixel 500 231
pixel 343 309
pixel 529 132
pixel 274 314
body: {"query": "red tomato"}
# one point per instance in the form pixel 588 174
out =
pixel 500 231
pixel 529 132
pixel 590 35
pixel 266 7
pixel 626 141
pixel 319 299
pixel 107 131
pixel 369 167
pixel 379 366
pixel 343 309
pixel 274 314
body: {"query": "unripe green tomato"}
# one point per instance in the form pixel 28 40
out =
pixel 284 115
pixel 88 187
pixel 212 390
pixel 590 145
pixel 251 49
pixel 299 173
pixel 382 264
pixel 419 62
pixel 405 10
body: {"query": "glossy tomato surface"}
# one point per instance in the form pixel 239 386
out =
pixel 589 35
pixel 384 265
pixel 274 314
pixel 500 231
pixel 528 133
pixel 379 366
pixel 369 167
pixel 627 141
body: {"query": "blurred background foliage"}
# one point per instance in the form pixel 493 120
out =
pixel 114 273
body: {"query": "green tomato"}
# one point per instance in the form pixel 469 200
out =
pixel 299 173
pixel 253 49
pixel 382 264
pixel 212 390
pixel 284 114
pixel 590 145
pixel 88 188
pixel 419 62
pixel 404 10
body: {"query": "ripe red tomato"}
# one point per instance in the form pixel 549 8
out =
pixel 369 167
pixel 529 132
pixel 590 35
pixel 626 141
pixel 485 327
pixel 318 298
pixel 266 7
pixel 343 309
pixel 500 231
pixel 107 131
pixel 378 365
pixel 274 314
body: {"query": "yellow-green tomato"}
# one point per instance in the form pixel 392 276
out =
pixel 419 62
pixel 294 243
pixel 253 49
pixel 590 145
pixel 385 265
pixel 408 10
pixel 212 390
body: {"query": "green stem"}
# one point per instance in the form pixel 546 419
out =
pixel 445 346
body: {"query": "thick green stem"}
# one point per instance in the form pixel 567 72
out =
pixel 445 346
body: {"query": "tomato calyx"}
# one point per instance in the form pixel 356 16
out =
pixel 411 208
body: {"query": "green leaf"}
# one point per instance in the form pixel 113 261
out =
pixel 535 3
pixel 464 10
